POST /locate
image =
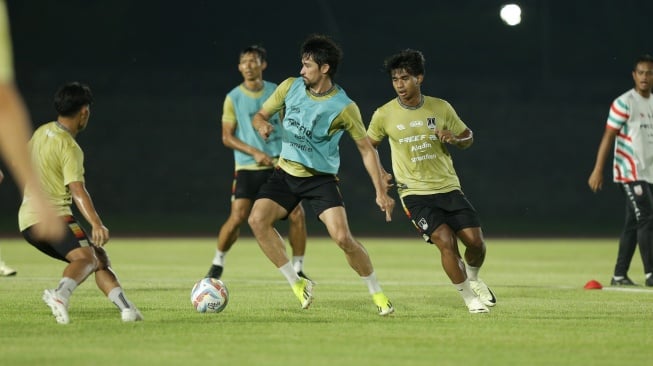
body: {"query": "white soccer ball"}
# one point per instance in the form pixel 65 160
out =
pixel 209 295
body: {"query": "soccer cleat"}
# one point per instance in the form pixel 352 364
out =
pixel 131 315
pixel 383 304
pixel 484 293
pixel 58 305
pixel 214 272
pixel 6 271
pixel 303 275
pixel 303 289
pixel 476 306
pixel 622 282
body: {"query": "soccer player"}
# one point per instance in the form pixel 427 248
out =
pixel 60 164
pixel 317 112
pixel 254 158
pixel 14 133
pixel 418 128
pixel 630 128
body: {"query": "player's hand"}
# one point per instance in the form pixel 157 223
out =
pixel 387 204
pixel 100 235
pixel 595 181
pixel 263 158
pixel 446 136
pixel 265 130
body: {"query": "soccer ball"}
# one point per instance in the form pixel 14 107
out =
pixel 209 295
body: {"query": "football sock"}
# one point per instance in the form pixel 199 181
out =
pixel 472 273
pixel 118 298
pixel 618 278
pixel 298 263
pixel 372 283
pixel 218 259
pixel 289 272
pixel 66 287
pixel 464 290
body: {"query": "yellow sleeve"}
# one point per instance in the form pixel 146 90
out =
pixel 228 111
pixel 6 55
pixel 375 130
pixel 277 100
pixel 351 121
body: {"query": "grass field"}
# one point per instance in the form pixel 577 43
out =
pixel 543 316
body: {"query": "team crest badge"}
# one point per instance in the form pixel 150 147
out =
pixel 430 123
pixel 423 224
pixel 638 190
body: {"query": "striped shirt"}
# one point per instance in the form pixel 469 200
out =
pixel 631 115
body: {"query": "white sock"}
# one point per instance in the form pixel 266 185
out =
pixel 218 259
pixel 465 291
pixel 298 263
pixel 118 298
pixel 372 283
pixel 648 275
pixel 289 272
pixel 472 272
pixel 66 287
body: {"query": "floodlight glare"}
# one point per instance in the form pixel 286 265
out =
pixel 510 14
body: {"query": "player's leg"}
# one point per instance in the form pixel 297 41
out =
pixel 331 211
pixel 429 218
pixel 228 234
pixel 244 189
pixel 75 249
pixel 626 250
pixel 641 198
pixel 265 213
pixel 464 221
pixel 297 238
pixel 108 283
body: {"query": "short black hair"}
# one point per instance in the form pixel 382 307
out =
pixel 410 60
pixel 257 50
pixel 642 58
pixel 71 97
pixel 323 50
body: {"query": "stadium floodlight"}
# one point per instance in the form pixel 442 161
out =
pixel 510 14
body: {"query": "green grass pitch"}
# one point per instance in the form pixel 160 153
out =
pixel 543 315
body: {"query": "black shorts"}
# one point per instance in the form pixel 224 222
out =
pixel 75 238
pixel 428 212
pixel 320 191
pixel 247 183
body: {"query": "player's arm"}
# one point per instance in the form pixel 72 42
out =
pixel 229 139
pixel 375 135
pixel 14 135
pixel 350 119
pixel 82 199
pixel 595 180
pixel 272 105
pixel 377 174
pixel 462 140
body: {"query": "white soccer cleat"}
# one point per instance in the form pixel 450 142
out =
pixel 484 293
pixel 58 305
pixel 475 306
pixel 5 270
pixel 131 315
